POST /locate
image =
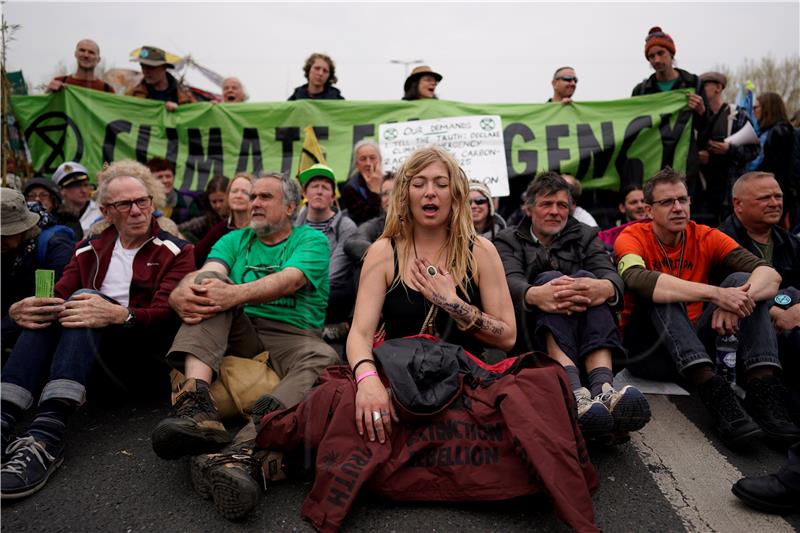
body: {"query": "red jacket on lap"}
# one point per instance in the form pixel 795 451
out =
pixel 512 437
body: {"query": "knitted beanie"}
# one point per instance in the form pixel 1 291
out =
pixel 657 37
pixel 480 187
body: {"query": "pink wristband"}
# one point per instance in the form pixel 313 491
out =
pixel 365 375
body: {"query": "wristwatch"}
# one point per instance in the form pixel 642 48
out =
pixel 130 321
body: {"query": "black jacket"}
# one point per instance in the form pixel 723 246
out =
pixel 361 203
pixel 575 248
pixel 686 80
pixel 778 155
pixel 785 254
pixel 330 93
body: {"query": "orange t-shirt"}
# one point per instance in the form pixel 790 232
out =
pixel 705 247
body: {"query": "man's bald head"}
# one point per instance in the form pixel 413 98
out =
pixel 748 181
pixel 233 90
pixel 758 200
pixel 87 54
pixel 88 43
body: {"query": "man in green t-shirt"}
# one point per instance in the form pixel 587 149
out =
pixel 264 287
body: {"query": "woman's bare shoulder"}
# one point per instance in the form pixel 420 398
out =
pixel 483 248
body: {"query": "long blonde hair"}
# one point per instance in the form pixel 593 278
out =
pixel 461 232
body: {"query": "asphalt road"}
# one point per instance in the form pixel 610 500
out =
pixel 673 476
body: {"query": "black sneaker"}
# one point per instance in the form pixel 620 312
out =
pixel 765 401
pixel 733 425
pixel 230 478
pixel 28 468
pixel 5 440
pixel 627 406
pixel 193 426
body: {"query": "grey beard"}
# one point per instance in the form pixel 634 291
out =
pixel 265 229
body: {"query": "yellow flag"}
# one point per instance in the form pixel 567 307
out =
pixel 312 151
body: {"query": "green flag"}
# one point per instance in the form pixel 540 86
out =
pixel 601 143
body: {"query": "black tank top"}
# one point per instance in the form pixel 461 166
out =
pixel 404 311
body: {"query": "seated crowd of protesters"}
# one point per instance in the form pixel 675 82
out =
pixel 419 251
pixel 267 287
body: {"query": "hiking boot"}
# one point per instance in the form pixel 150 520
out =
pixel 264 405
pixel 765 401
pixel 733 425
pixel 593 416
pixel 193 426
pixel 229 478
pixel 28 468
pixel 335 332
pixel 627 406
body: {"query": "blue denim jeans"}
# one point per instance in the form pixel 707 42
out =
pixel 578 334
pixel 662 342
pixel 57 358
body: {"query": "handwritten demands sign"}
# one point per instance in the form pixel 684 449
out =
pixel 475 141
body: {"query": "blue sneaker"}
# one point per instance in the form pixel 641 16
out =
pixel 627 406
pixel 594 417
pixel 28 468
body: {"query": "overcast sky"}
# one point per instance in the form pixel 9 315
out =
pixel 487 52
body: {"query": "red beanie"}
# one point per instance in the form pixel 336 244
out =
pixel 657 37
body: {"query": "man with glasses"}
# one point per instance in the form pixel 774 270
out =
pixel 264 287
pixel 673 315
pixel 564 83
pixel 564 286
pixel 111 305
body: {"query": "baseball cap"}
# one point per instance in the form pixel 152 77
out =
pixel 317 171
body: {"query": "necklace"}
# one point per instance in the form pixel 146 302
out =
pixel 666 255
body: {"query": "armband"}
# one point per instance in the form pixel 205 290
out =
pixel 629 260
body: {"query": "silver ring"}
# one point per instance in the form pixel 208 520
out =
pixel 376 415
pixel 432 271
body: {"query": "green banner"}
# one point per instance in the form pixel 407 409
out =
pixel 602 143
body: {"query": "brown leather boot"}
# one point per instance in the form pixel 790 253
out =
pixel 193 426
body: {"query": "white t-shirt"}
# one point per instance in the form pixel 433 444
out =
pixel 90 216
pixel 582 215
pixel 117 283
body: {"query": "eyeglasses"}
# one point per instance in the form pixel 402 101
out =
pixel 568 78
pixel 256 272
pixel 478 201
pixel 669 202
pixel 36 196
pixel 124 206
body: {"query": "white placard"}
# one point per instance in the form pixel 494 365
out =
pixel 746 135
pixel 476 141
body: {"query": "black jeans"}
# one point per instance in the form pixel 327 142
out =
pixel 663 343
pixel 578 334
pixel 58 360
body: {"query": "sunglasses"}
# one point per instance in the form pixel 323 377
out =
pixel 568 78
pixel 478 201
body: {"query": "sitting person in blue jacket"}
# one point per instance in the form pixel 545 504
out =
pixel 31 240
